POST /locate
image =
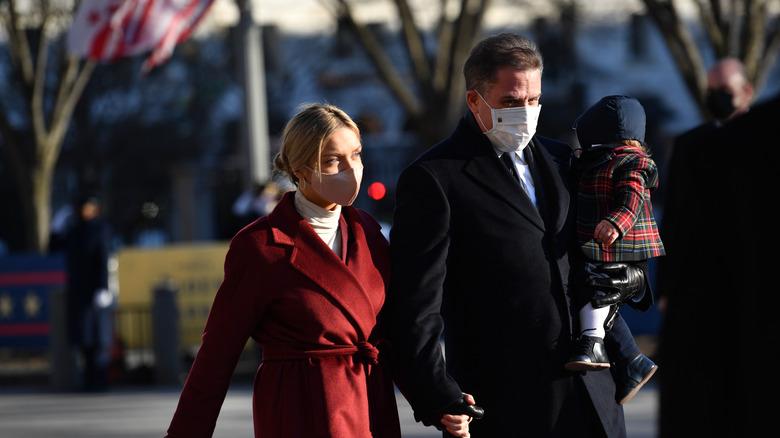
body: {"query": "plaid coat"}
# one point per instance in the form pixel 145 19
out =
pixel 615 184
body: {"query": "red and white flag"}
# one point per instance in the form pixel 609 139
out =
pixel 106 30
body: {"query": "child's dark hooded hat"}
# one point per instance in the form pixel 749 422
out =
pixel 611 119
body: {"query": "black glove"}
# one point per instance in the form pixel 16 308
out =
pixel 624 283
pixel 462 407
pixel 458 407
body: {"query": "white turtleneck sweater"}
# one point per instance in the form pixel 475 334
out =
pixel 325 222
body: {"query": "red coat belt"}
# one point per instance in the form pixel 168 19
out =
pixel 363 350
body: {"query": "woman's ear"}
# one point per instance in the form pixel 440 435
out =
pixel 303 173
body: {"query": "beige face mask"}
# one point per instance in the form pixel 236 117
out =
pixel 341 187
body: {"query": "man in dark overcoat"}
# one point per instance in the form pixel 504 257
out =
pixel 482 253
pixel 89 301
pixel 717 288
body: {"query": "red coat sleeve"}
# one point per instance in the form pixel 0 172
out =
pixel 230 323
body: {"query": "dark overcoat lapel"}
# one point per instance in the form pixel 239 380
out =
pixel 484 170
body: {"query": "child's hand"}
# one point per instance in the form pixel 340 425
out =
pixel 606 233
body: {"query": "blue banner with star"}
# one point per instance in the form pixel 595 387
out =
pixel 25 284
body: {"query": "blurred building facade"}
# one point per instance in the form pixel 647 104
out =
pixel 174 174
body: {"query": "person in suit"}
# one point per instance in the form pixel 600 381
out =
pixel 729 90
pixel 482 243
pixel 716 286
pixel 728 95
pixel 306 282
pixel 87 247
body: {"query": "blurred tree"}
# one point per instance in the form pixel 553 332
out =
pixel 748 30
pixel 39 97
pixel 433 94
pixel 433 99
pixel 133 135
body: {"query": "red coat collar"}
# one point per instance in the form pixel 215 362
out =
pixel 348 283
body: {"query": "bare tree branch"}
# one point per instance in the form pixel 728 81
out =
pixel 744 29
pixel 34 164
pixel 711 17
pixel 752 47
pixel 682 46
pixel 69 95
pixel 37 111
pixel 768 58
pixel 466 32
pixel 414 42
pixel 387 70
pixel 19 45
pixel 433 100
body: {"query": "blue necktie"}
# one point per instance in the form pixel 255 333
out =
pixel 507 160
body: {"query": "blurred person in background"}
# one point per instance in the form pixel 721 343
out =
pixel 729 90
pixel 255 202
pixel 729 94
pixel 715 283
pixel 89 302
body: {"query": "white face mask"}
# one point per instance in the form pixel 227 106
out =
pixel 513 128
pixel 341 187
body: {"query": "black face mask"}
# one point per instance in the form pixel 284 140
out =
pixel 720 104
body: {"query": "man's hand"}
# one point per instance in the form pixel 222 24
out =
pixel 624 283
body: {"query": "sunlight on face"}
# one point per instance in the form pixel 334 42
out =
pixel 512 88
pixel 341 152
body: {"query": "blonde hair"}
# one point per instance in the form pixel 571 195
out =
pixel 306 133
pixel 636 143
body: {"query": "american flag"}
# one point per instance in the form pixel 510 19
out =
pixel 106 30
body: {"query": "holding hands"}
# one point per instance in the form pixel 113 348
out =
pixel 458 415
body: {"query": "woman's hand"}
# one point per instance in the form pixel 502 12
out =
pixel 458 425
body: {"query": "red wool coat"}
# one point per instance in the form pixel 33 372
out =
pixel 315 318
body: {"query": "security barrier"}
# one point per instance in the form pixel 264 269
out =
pixel 196 270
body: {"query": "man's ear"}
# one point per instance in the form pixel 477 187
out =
pixel 473 101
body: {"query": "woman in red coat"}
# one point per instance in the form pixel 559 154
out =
pixel 305 282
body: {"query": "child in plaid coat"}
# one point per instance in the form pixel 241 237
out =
pixel 615 229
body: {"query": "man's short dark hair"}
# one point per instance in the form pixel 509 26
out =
pixel 494 52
